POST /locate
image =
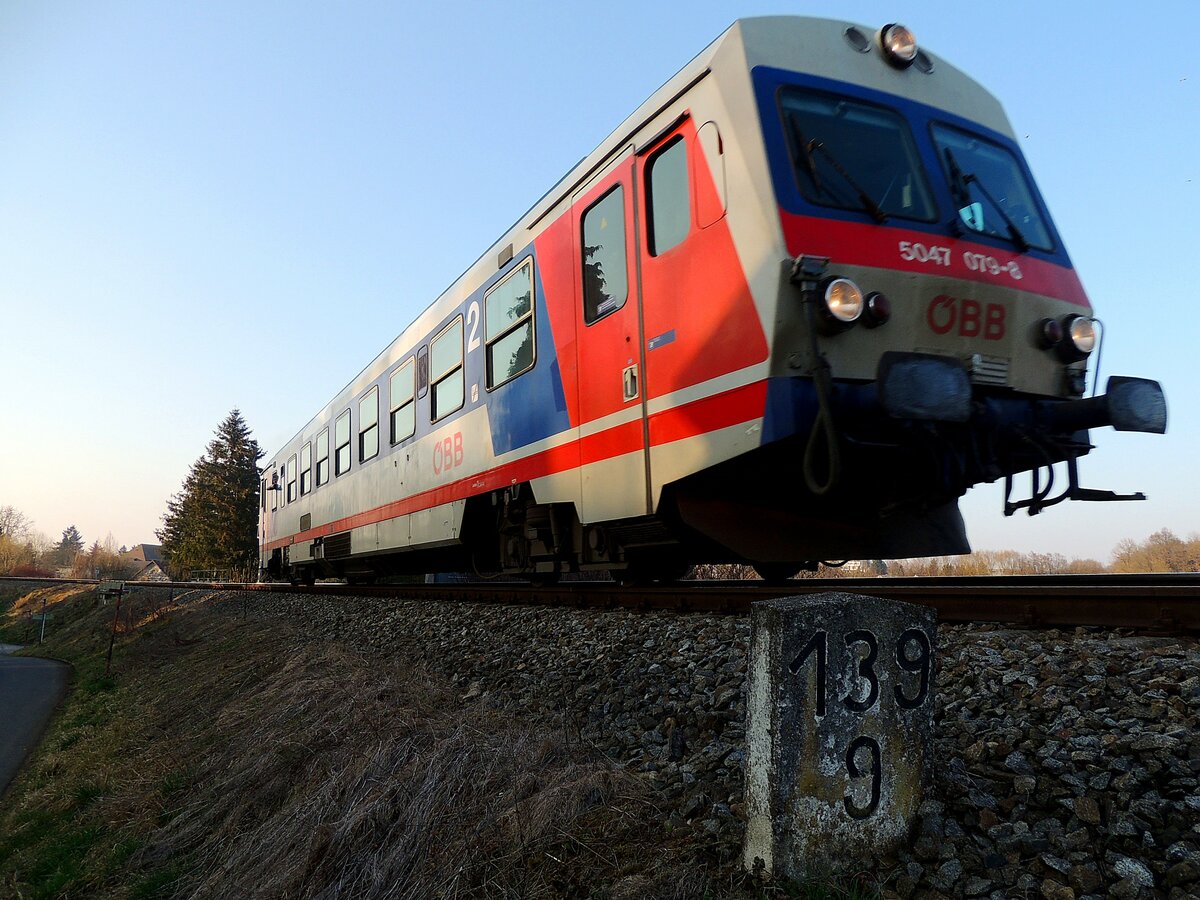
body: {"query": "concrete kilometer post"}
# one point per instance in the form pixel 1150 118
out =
pixel 839 725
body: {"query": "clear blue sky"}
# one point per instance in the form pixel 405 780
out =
pixel 238 204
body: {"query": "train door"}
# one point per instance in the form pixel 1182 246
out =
pixel 702 329
pixel 610 348
pixel 268 503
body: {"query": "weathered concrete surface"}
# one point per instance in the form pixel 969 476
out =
pixel 839 725
pixel 30 689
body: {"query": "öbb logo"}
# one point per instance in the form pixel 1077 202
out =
pixel 968 318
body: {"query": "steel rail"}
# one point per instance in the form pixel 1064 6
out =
pixel 1167 603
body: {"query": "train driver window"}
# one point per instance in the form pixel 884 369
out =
pixel 368 425
pixel 447 384
pixel 291 479
pixel 402 390
pixel 605 272
pixel 322 457
pixel 668 197
pixel 508 312
pixel 341 444
pixel 306 468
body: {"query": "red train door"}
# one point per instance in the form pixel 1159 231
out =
pixel 702 329
pixel 610 346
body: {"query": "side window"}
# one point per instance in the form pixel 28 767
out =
pixel 274 491
pixel 306 468
pixel 508 310
pixel 605 272
pixel 322 457
pixel 291 479
pixel 668 197
pixel 422 372
pixel 402 391
pixel 263 494
pixel 368 425
pixel 446 370
pixel 341 444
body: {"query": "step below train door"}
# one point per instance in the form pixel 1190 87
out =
pixel 613 460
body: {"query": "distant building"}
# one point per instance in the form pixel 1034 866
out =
pixel 144 562
pixel 143 553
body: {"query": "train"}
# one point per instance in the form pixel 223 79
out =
pixel 789 310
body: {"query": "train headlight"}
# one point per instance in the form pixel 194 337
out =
pixel 1079 338
pixel 1082 332
pixel 843 301
pixel 899 45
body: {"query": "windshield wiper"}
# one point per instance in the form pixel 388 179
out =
pixel 864 198
pixel 962 195
pixel 807 148
pixel 809 163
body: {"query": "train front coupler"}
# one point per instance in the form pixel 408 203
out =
pixel 1129 404
pixel 1019 433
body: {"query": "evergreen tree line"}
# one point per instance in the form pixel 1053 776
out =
pixel 212 523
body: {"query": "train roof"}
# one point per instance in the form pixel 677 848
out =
pixel 803 44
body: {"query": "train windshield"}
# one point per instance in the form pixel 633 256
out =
pixel 853 155
pixel 990 191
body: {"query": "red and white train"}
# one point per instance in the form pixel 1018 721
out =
pixel 789 310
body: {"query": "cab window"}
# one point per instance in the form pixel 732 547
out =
pixel 989 188
pixel 853 155
pixel 668 197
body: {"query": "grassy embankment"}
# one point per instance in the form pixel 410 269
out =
pixel 224 757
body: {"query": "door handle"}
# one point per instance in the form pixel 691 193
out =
pixel 629 381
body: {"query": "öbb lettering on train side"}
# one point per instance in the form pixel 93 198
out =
pixel 965 317
pixel 448 453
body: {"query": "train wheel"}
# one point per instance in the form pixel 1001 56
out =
pixel 776 573
pixel 543 579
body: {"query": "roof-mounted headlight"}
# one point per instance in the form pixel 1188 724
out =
pixel 898 44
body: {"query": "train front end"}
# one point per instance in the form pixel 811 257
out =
pixel 929 330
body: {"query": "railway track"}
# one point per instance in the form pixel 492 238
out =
pixel 1166 604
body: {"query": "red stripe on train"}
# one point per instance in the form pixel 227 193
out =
pixel 689 420
pixel 854 243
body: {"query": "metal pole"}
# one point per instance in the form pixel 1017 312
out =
pixel 42 633
pixel 113 637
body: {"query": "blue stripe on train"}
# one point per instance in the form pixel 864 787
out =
pixel 532 406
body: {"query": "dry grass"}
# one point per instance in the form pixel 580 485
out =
pixel 236 760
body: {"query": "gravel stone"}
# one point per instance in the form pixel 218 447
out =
pixel 1067 761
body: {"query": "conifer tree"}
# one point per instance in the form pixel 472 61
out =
pixel 69 547
pixel 212 522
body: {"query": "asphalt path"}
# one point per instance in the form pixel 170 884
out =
pixel 30 689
